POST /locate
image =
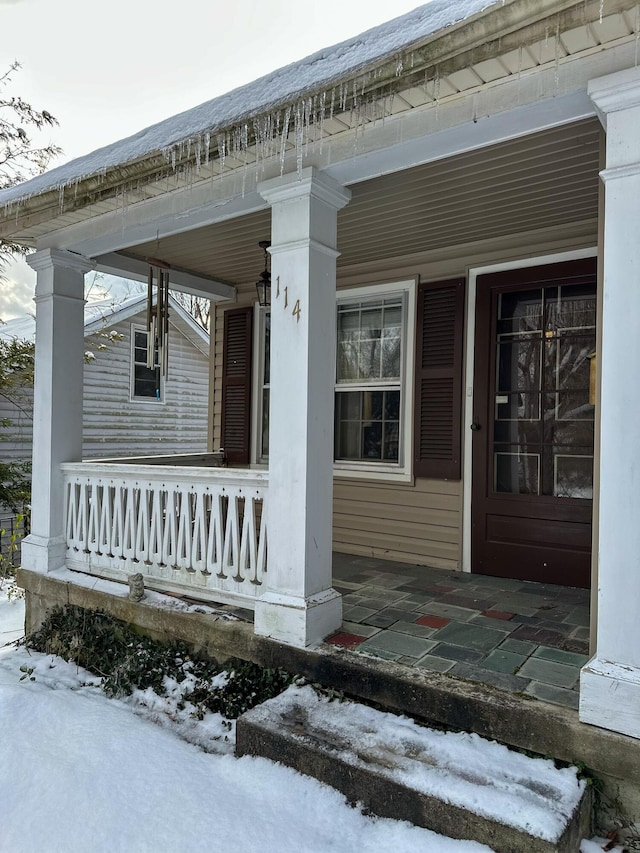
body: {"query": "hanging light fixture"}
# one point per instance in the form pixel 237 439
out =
pixel 263 286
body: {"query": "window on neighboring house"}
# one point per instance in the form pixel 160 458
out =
pixel 373 398
pixel 145 381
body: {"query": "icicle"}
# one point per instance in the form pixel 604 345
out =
pixel 173 158
pixel 399 65
pixel 298 138
pixel 520 50
pixel 601 10
pixel 61 197
pixel 222 151
pixel 323 107
pixel 343 96
pixel 307 124
pixel 284 135
pixel 557 61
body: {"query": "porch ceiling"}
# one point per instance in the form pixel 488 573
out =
pixel 542 180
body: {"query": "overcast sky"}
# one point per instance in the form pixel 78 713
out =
pixel 108 70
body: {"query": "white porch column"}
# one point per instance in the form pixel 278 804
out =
pixel 299 606
pixel 610 682
pixel 57 415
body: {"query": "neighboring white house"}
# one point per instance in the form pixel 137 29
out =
pixel 453 205
pixel 129 410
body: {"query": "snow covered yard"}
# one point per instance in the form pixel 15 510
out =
pixel 81 772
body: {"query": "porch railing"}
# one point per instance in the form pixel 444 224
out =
pixel 187 530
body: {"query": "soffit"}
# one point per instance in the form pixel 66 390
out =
pixel 544 180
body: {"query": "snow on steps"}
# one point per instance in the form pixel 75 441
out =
pixel 457 784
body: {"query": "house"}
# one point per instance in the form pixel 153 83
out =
pixel 446 372
pixel 129 410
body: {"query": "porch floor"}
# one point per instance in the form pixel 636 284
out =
pixel 524 637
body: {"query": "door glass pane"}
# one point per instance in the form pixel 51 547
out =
pixel 543 421
pixel 520 313
pixel 517 473
pixel 573 476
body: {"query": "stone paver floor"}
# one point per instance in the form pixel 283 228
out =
pixel 515 635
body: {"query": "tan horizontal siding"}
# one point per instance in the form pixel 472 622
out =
pixel 421 522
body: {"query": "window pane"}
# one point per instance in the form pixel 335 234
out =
pixel 349 441
pixel 391 434
pixel 267 347
pixel 391 348
pixel 368 425
pixel 369 340
pixel 146 381
pixel 265 422
pixel 369 360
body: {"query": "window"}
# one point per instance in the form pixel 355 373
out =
pixel 372 401
pixel 262 372
pixel 374 375
pixel 145 381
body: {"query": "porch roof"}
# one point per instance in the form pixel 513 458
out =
pixel 324 68
pixel 440 51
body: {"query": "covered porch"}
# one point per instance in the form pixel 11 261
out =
pixel 405 215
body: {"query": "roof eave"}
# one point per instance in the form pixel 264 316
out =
pixel 491 24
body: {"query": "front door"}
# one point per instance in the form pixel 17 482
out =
pixel 533 423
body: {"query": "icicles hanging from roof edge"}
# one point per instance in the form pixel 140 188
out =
pixel 557 56
pixel 295 130
pixel 284 136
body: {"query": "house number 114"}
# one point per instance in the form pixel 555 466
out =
pixel 295 311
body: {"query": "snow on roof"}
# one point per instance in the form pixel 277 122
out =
pixel 106 312
pixel 322 68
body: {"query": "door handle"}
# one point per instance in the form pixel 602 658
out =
pixel 475 426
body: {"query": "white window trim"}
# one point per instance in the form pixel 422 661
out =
pixel 401 472
pixel 132 398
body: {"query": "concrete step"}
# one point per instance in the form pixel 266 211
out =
pixel 456 784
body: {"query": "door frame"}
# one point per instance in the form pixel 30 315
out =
pixel 469 339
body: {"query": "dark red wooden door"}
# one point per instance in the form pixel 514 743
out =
pixel 533 423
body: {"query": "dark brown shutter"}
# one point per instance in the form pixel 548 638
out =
pixel 439 325
pixel 236 386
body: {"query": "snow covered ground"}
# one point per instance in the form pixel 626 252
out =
pixel 80 772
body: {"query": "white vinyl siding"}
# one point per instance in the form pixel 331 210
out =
pixel 116 425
